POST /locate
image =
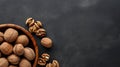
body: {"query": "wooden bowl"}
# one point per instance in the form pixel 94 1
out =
pixel 21 30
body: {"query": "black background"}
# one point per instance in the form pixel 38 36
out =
pixel 86 33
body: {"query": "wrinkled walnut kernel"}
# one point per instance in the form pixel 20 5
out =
pixel 41 62
pixel 45 56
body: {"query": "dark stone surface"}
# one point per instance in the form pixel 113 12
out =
pixel 86 33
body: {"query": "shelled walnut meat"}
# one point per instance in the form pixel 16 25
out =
pixel 53 64
pixel 13 59
pixel 12 66
pixel 15 50
pixel 45 56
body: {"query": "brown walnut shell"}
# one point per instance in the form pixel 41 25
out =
pixel 29 53
pixel 6 48
pixel 13 59
pixel 25 63
pixel 22 39
pixel 10 35
pixel 46 42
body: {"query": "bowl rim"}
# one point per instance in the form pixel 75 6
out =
pixel 28 34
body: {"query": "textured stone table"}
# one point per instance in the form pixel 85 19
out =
pixel 86 33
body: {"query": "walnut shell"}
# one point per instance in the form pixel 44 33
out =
pixel 13 59
pixel 18 49
pixel 46 42
pixel 3 62
pixel 25 63
pixel 22 39
pixel 1 37
pixel 10 35
pixel 29 53
pixel 6 48
pixel 12 66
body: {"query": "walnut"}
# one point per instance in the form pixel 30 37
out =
pixel 25 63
pixel 45 56
pixel 41 62
pixel 29 53
pixel 3 62
pixel 13 59
pixel 36 25
pixel 33 29
pixel 22 39
pixel 46 42
pixel 10 35
pixel 18 49
pixel 6 48
pixel 41 32
pixel 53 64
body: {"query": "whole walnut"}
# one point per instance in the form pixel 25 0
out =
pixel 13 59
pixel 1 37
pixel 6 48
pixel 22 39
pixel 29 53
pixel 25 63
pixel 0 54
pixel 10 35
pixel 18 49
pixel 46 42
pixel 4 62
pixel 12 66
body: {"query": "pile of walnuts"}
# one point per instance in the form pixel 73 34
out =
pixel 36 27
pixel 14 50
